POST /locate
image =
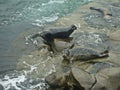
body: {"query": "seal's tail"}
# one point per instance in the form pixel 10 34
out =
pixel 97 9
pixel 101 11
pixel 104 54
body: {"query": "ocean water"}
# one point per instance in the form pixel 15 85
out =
pixel 16 16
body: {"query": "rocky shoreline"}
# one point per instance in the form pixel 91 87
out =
pixel 95 31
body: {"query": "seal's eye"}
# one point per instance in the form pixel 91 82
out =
pixel 73 27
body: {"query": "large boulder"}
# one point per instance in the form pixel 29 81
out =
pixel 108 79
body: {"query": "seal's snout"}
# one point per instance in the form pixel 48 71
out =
pixel 92 8
pixel 73 27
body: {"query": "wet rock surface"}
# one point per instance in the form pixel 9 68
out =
pixel 97 19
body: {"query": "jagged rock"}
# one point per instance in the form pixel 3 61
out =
pixel 97 41
pixel 98 66
pixel 56 80
pixel 49 36
pixel 115 36
pixel 61 44
pixel 108 79
pixel 99 19
pixel 85 79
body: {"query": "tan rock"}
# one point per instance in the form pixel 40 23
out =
pixel 85 79
pixel 108 79
pixel 115 35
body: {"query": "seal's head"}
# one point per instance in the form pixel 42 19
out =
pixel 73 27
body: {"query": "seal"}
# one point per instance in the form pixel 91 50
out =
pixel 83 54
pixel 60 33
pixel 105 14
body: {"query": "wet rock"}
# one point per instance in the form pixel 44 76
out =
pixel 36 81
pixel 115 36
pixel 98 66
pixel 115 47
pixel 24 84
pixel 98 41
pixel 56 80
pixel 108 79
pixel 95 19
pixel 61 44
pixel 84 79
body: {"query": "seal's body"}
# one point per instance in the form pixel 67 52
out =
pixel 105 14
pixel 60 33
pixel 83 54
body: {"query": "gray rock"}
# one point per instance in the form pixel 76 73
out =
pixel 97 20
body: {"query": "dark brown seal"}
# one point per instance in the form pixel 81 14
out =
pixel 105 14
pixel 60 33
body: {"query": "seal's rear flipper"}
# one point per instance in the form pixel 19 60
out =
pixel 97 9
pixel 104 54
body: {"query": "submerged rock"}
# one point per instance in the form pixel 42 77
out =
pixel 57 80
pixel 108 79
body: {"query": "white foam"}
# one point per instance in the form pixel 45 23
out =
pixel 42 22
pixel 51 70
pixel 50 19
pixel 17 82
pixel 56 1
pixel 37 24
pixel 8 82
pixel 53 1
pixel 32 68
